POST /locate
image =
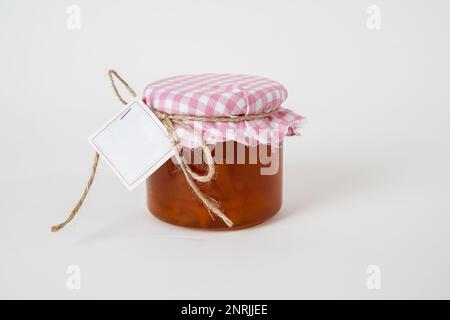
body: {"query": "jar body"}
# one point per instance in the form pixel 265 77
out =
pixel 247 185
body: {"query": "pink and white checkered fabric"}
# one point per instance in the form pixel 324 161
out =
pixel 225 95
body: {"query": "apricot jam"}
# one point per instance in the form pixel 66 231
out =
pixel 246 193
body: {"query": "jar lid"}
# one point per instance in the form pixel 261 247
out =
pixel 227 95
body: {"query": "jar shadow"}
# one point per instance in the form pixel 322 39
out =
pixel 313 184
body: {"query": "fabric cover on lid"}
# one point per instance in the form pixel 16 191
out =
pixel 225 95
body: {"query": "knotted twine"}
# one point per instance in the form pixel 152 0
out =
pixel 169 121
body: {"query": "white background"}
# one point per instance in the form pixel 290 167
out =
pixel 366 184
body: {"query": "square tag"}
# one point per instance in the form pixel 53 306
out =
pixel 134 143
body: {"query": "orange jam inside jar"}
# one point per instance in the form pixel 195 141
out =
pixel 249 191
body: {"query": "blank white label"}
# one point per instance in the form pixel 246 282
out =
pixel 134 143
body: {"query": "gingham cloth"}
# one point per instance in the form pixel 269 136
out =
pixel 225 95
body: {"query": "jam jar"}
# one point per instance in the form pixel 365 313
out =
pixel 248 154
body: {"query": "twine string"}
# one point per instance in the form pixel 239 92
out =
pixel 82 198
pixel 169 121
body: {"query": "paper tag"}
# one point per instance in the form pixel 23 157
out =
pixel 134 143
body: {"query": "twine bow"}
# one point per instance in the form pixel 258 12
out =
pixel 169 122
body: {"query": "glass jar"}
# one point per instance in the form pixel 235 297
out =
pixel 249 191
